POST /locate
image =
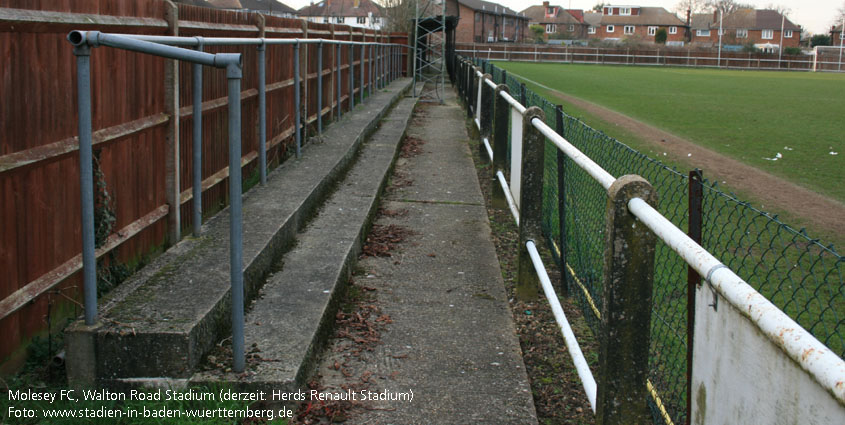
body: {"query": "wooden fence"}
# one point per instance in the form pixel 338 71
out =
pixel 144 155
pixel 667 56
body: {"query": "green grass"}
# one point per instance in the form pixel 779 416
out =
pixel 747 115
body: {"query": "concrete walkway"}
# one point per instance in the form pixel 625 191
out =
pixel 450 337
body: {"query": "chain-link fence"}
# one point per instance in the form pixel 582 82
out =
pixel 796 272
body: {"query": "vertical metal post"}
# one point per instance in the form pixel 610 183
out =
pixel 530 203
pixel 471 92
pixel 500 143
pixel 351 76
pixel 236 274
pixel 626 307
pixel 362 82
pixel 563 288
pixel 86 181
pixel 297 101
pixel 504 76
pixel 372 69
pixel 262 112
pixel 320 88
pixel 339 83
pixel 523 96
pixel 196 147
pixel 694 231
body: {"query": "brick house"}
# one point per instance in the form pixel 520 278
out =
pixel 635 23
pixel 836 35
pixel 557 21
pixel 759 27
pixel 486 22
pixel 355 13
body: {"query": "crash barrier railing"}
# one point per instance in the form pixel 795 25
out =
pixel 679 58
pixel 385 66
pixel 632 227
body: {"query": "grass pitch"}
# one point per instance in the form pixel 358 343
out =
pixel 747 115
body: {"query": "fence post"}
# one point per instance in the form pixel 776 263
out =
pixel 626 307
pixel 320 89
pixel 563 288
pixel 297 124
pixel 338 60
pixel 171 108
pixel 486 117
pixel 262 111
pixel 234 73
pixel 530 202
pixel 523 96
pixel 694 223
pixel 500 143
pixel 196 146
pixel 471 94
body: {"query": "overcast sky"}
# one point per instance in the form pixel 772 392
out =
pixel 815 16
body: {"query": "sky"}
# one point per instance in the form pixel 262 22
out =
pixel 815 16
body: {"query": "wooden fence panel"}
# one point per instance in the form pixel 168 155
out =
pixel 40 239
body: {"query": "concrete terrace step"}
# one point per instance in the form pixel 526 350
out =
pixel 163 320
pixel 289 320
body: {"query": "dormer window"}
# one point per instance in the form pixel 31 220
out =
pixel 550 11
pixel 625 11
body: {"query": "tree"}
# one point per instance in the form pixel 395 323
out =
pixel 727 6
pixel 399 15
pixel 598 7
pixel 660 36
pixel 537 32
pixel 693 6
pixel 820 40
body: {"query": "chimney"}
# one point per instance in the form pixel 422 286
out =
pixel 715 15
pixel 689 13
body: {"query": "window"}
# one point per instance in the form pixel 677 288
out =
pixel 787 34
pixel 673 30
pixel 610 28
pixel 609 11
pixel 702 33
pixel 361 20
pixel 339 19
pixel 842 35
pixel 742 33
pixel 768 34
pixel 591 30
pixel 551 28
pixel 652 30
pixel 477 17
pixel 325 19
pixel 550 11
pixel 625 11
pixel 571 28
pixel 629 29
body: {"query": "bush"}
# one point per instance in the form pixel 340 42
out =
pixel 820 40
pixel 792 51
pixel 660 36
pixel 537 32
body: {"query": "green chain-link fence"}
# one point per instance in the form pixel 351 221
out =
pixel 796 272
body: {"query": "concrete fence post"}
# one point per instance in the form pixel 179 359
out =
pixel 626 307
pixel 471 94
pixel 486 116
pixel 501 115
pixel 530 202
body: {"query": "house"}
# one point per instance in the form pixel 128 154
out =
pixel 355 13
pixel 486 22
pixel 266 7
pixel 636 23
pixel 837 36
pixel 758 27
pixel 592 20
pixel 557 21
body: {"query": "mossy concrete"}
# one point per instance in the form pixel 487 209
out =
pixel 163 320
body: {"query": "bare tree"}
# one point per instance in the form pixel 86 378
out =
pixel 727 6
pixel 399 15
pixel 783 10
pixel 694 6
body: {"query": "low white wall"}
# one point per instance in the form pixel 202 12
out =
pixel 741 377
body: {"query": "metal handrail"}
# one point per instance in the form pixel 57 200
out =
pixel 804 348
pixel 174 48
